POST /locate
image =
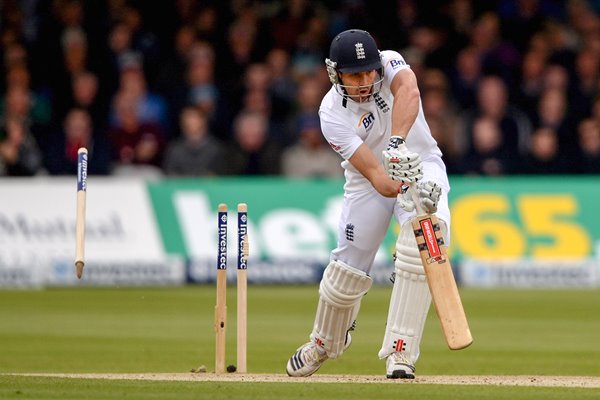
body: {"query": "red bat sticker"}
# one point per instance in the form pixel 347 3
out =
pixel 430 239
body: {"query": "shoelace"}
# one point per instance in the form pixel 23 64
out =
pixel 400 358
pixel 312 355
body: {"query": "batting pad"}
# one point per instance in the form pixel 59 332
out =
pixel 341 291
pixel 410 300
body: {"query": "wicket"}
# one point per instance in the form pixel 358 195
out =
pixel 82 166
pixel 242 288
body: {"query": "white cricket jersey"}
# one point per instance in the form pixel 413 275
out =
pixel 347 124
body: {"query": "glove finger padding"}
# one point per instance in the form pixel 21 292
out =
pixel 405 161
pixel 429 195
pixel 404 167
pixel 412 175
pixel 405 201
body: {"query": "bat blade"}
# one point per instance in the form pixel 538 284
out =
pixel 442 284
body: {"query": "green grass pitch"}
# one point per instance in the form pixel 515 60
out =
pixel 141 330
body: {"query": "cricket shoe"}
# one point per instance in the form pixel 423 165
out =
pixel 398 367
pixel 309 357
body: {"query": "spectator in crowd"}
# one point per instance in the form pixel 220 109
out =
pixel 429 40
pixel 18 76
pixel 308 54
pixel 119 47
pixel 85 93
pixel 283 86
pixel 150 107
pixel 524 19
pixel 488 156
pixel 208 24
pixel 20 103
pixel 171 79
pixel 202 89
pixel 311 156
pixel 14 55
pixel 256 96
pixel 493 102
pixel 589 146
pixel 544 156
pixel 586 82
pixel 243 48
pixel 143 41
pixel 196 152
pixel 252 151
pixel 441 113
pixel 62 44
pixel 552 113
pixel 465 77
pixel 308 99
pixel 498 56
pixel 133 141
pixel 531 82
pixel 19 152
pixel 75 56
pixel 77 131
pixel 556 76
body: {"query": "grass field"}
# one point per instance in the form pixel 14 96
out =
pixel 170 330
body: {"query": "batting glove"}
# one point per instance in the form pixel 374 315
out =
pixel 428 195
pixel 405 167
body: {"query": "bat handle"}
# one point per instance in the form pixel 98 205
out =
pixel 398 143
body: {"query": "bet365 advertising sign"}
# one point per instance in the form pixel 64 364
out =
pixel 497 219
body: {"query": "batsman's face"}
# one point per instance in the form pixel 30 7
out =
pixel 359 85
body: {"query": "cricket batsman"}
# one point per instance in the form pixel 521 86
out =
pixel 374 96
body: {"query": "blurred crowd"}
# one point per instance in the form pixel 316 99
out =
pixel 211 88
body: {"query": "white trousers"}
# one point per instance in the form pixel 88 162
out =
pixel 366 217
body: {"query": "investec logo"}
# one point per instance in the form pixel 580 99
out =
pixel 243 231
pixel 82 172
pixel 367 120
pixel 223 242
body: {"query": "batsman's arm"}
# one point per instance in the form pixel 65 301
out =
pixel 371 168
pixel 406 102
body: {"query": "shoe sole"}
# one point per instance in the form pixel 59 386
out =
pixel 301 376
pixel 400 374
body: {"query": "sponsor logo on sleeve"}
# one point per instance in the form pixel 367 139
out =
pixel 335 147
pixel 397 63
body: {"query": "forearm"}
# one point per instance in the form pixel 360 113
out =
pixel 384 185
pixel 406 103
pixel 371 168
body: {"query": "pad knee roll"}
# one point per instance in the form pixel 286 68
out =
pixel 340 293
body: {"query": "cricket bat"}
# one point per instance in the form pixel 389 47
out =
pixel 440 279
pixel 438 270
